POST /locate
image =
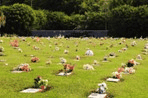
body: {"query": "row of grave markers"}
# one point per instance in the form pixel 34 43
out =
pixel 100 92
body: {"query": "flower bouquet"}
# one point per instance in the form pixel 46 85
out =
pixel 102 88
pixel 129 70
pixel 23 67
pixel 68 69
pixel 66 51
pixel 36 48
pixel 14 43
pixel 95 62
pixel 48 62
pixel 89 52
pixel 117 75
pixel 40 83
pixel 2 54
pixel 1 41
pixel 77 57
pixel 1 49
pixel 88 67
pixel 34 59
pixel 63 60
pixel 131 63
pixel 139 57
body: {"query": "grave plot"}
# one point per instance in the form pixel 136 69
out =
pixel 22 68
pixel 115 77
pixel 88 67
pixel 40 85
pixel 100 92
pixel 68 70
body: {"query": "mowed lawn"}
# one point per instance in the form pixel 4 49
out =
pixel 81 82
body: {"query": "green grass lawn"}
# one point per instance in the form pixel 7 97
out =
pixel 81 82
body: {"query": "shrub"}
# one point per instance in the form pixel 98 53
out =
pixel 20 19
pixel 41 19
pixel 2 19
pixel 58 21
pixel 77 21
pixel 95 21
pixel 127 21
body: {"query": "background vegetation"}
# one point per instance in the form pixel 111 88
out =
pixel 127 18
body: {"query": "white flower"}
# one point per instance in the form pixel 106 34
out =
pixel 103 84
pixel 63 60
pixel 57 48
pixel 1 41
pixel 88 67
pixel 89 52
pixel 66 51
pixel 20 50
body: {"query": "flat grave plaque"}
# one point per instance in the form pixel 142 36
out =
pixel 17 71
pixel 96 95
pixel 113 80
pixel 30 90
pixel 63 74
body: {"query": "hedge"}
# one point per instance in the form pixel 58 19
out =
pixel 20 19
pixel 127 21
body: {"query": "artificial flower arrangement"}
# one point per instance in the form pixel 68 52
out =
pixel 89 52
pixel 88 67
pixel 2 54
pixel 1 41
pixel 20 50
pixel 139 57
pixel 66 51
pixel 131 63
pixel 57 48
pixel 48 62
pixel 36 48
pixel 129 70
pixel 102 88
pixel 95 62
pixel 34 59
pixel 14 43
pixel 63 60
pixel 125 69
pixel 77 57
pixel 40 83
pixel 36 39
pixel 117 75
pixel 23 67
pixel 68 68
pixel 133 43
pixel 1 49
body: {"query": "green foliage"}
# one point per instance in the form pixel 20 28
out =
pixel 78 21
pixel 58 21
pixel 2 19
pixel 41 19
pixel 127 21
pixel 95 21
pixel 20 19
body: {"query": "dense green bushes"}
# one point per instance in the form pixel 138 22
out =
pixel 58 21
pixel 124 20
pixel 128 21
pixel 20 19
pixel 2 19
pixel 41 19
